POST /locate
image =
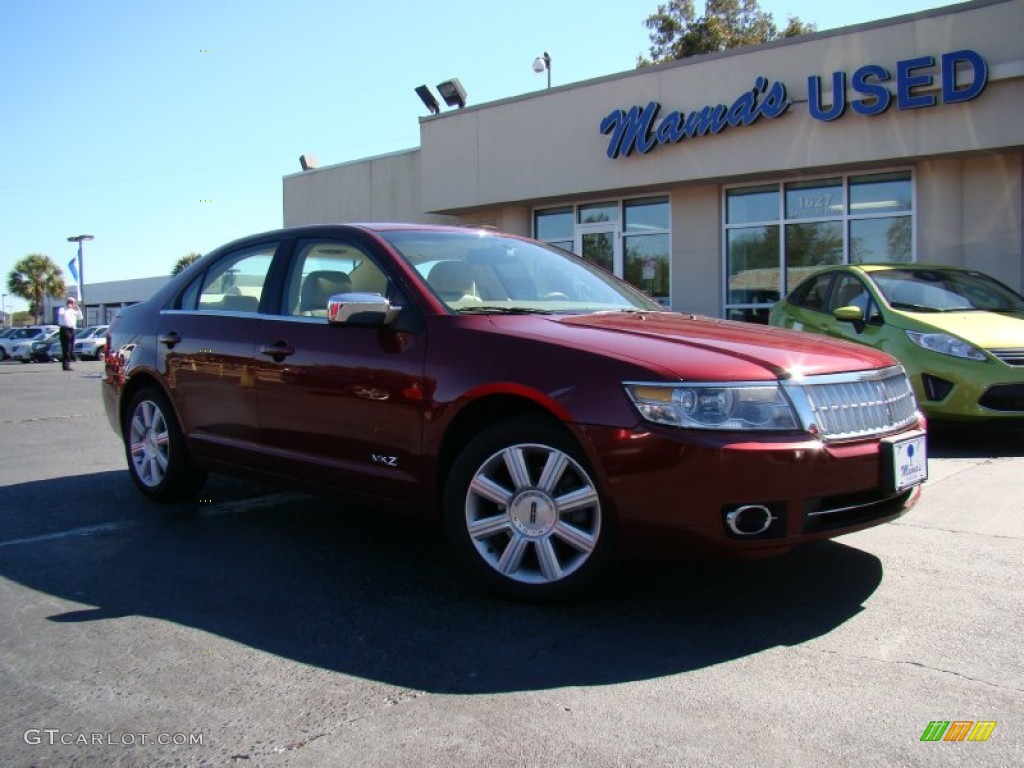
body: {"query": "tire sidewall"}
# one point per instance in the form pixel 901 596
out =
pixel 181 479
pixel 477 451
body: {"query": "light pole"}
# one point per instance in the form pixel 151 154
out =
pixel 543 64
pixel 80 273
pixel 3 308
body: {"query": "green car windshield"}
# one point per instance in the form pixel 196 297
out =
pixel 940 290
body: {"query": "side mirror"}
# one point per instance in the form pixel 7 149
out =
pixel 367 309
pixel 850 314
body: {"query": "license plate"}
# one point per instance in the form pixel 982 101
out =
pixel 905 461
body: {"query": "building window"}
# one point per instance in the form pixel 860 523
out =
pixel 777 234
pixel 556 226
pixel 630 238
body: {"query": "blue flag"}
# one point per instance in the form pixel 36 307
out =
pixel 73 266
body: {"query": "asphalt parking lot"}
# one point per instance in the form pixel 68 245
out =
pixel 275 628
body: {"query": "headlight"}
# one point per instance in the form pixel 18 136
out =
pixel 945 344
pixel 714 406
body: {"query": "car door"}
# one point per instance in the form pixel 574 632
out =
pixel 206 345
pixel 341 406
pixel 807 307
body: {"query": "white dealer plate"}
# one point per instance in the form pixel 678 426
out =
pixel 907 461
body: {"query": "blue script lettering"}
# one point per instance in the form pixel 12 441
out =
pixel 634 130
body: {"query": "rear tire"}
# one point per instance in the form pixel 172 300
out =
pixel 155 447
pixel 523 512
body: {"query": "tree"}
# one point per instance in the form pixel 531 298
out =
pixel 676 32
pixel 34 278
pixel 184 261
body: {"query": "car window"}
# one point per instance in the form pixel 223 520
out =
pixel 235 283
pixel 813 292
pixel 476 272
pixel 939 290
pixel 321 269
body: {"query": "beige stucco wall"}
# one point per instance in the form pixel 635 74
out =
pixel 385 188
pixel 969 213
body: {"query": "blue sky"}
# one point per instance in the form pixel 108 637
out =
pixel 165 127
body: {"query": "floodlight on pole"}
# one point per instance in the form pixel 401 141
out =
pixel 543 64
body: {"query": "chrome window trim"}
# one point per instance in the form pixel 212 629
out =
pixel 250 315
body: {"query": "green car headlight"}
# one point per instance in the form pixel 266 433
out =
pixel 945 344
pixel 747 406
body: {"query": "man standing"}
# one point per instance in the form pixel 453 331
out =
pixel 68 318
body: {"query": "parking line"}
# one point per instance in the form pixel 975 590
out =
pixel 238 506
pixel 88 531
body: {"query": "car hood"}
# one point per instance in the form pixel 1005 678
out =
pixel 699 348
pixel 988 330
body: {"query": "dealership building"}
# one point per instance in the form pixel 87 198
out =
pixel 717 182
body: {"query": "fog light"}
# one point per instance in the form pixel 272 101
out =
pixel 755 520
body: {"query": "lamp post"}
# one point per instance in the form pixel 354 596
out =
pixel 80 277
pixel 3 308
pixel 543 64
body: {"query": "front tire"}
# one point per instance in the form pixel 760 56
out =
pixel 524 513
pixel 154 444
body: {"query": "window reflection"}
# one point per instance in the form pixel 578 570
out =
pixel 884 239
pixel 752 204
pixel 818 199
pixel 880 193
pixel 753 265
pixel 827 221
pixel 646 265
pixel 598 212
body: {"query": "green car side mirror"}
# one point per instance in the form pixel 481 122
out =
pixel 850 314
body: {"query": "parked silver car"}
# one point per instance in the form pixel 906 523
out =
pixel 21 335
pixel 90 342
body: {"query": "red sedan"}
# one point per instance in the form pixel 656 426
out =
pixel 550 415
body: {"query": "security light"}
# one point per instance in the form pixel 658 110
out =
pixel 428 99
pixel 453 93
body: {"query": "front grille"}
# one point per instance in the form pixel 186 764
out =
pixel 851 405
pixel 1009 356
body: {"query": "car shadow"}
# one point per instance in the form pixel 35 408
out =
pixel 952 440
pixel 377 596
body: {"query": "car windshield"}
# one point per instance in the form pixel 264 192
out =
pixel 476 272
pixel 941 290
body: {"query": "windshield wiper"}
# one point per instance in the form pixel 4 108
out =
pixel 911 307
pixel 492 310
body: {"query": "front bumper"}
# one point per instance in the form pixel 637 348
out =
pixel 676 488
pixel 970 391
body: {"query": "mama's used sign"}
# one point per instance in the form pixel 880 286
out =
pixel 963 75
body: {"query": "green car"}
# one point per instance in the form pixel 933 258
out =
pixel 958 332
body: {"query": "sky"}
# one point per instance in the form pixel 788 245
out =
pixel 163 128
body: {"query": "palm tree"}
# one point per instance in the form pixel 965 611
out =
pixel 34 278
pixel 184 261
